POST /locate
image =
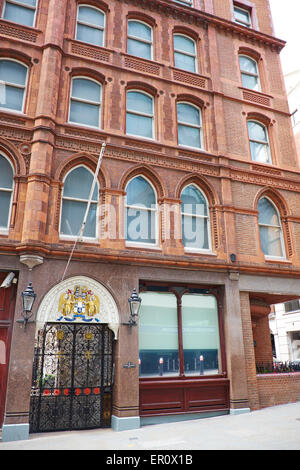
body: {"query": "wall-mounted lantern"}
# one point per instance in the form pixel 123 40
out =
pixel 134 308
pixel 28 298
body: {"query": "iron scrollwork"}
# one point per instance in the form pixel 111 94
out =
pixel 72 378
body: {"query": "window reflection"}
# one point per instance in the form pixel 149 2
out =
pixel 178 337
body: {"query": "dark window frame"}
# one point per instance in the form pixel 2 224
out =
pixel 292 304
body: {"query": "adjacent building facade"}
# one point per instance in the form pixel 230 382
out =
pixel 285 328
pixel 196 206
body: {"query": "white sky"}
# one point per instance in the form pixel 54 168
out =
pixel 286 20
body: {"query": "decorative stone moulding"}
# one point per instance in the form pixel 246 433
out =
pixel 12 120
pixel 90 52
pixel 190 79
pixel 25 148
pixel 31 260
pixel 13 133
pixel 53 309
pixel 256 98
pixel 265 169
pixel 141 65
pixel 143 145
pixel 269 180
pixel 196 17
pixel 18 31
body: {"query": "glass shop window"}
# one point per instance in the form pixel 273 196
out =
pixel 178 339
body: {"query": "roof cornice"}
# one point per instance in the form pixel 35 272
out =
pixel 197 17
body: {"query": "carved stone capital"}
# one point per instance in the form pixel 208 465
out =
pixel 31 260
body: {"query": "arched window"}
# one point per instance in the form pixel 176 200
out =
pixel 20 11
pixel 85 102
pixel 189 125
pixel 195 219
pixel 140 39
pixel 6 190
pixel 77 187
pixel 90 25
pixel 140 114
pixel 259 142
pixel 185 53
pixel 141 212
pixel 270 229
pixel 13 77
pixel 249 73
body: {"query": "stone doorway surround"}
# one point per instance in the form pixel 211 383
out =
pixel 49 307
pixel 48 312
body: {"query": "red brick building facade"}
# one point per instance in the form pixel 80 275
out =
pixel 189 98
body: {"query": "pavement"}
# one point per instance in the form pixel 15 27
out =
pixel 274 428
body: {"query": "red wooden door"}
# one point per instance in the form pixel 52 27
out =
pixel 7 304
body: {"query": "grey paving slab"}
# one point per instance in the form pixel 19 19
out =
pixel 275 428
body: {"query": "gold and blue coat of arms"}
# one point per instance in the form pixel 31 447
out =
pixel 79 304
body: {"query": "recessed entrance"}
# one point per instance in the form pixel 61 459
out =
pixel 72 377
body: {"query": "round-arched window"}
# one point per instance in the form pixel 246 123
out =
pixel 6 190
pixel 195 219
pixel 13 78
pixel 85 102
pixel 189 124
pixel 77 187
pixel 259 142
pixel 90 25
pixel 140 114
pixel 249 73
pixel 139 39
pixel 270 229
pixel 185 53
pixel 141 212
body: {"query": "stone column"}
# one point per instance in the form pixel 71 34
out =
pixel 261 331
pixel 249 351
pixel 112 219
pixel 16 419
pixel 36 208
pixel 235 352
pixel 170 211
pixel 125 410
pixel 17 408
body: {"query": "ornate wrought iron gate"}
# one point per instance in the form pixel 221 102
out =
pixel 72 378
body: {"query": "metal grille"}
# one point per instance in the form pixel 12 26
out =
pixel 72 378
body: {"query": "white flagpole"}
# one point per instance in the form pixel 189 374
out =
pixel 87 208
